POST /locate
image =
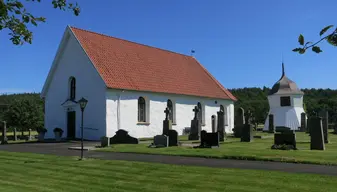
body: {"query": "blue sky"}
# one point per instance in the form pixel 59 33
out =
pixel 240 42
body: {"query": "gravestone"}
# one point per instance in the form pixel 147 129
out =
pixel 195 126
pixel 15 135
pixel 271 126
pixel 122 137
pixel 209 140
pixel 167 123
pixel 29 138
pixel 325 121
pixel 4 139
pixel 247 133
pixel 105 141
pixel 316 134
pixel 214 123
pixel 161 141
pixel 303 122
pixel 335 128
pixel 240 116
pixel 284 138
pixel 173 137
pixel 221 124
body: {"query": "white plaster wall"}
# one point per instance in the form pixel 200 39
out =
pixel 74 62
pixel 157 104
pixel 285 116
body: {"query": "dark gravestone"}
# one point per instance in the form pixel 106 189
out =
pixel 4 139
pixel 325 121
pixel 214 123
pixel 335 128
pixel 173 138
pixel 247 133
pixel 161 141
pixel 284 136
pixel 209 140
pixel 105 141
pixel 240 116
pixel 195 126
pixel 167 123
pixel 316 134
pixel 221 124
pixel 303 122
pixel 122 137
pixel 271 126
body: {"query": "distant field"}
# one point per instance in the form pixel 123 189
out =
pixel 36 173
pixel 259 149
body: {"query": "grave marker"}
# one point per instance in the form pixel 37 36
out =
pixel 316 134
pixel 325 120
pixel 161 141
pixel 173 138
pixel 4 139
pixel 214 123
pixel 195 126
pixel 271 126
pixel 221 124
pixel 167 123
pixel 209 140
pixel 303 122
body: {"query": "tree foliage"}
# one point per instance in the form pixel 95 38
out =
pixel 15 18
pixel 23 111
pixel 331 38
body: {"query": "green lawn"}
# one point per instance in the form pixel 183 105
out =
pixel 259 149
pixel 32 172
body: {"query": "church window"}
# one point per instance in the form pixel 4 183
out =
pixel 141 109
pixel 72 88
pixel 285 101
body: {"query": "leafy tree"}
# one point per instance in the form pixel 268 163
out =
pixel 331 38
pixel 15 18
pixel 25 113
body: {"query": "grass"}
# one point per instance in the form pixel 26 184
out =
pixel 259 149
pixel 32 172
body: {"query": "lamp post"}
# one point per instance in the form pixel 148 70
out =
pixel 83 103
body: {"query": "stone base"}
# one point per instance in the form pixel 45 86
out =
pixel 167 125
pixel 195 130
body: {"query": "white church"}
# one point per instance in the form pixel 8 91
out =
pixel 128 86
pixel 286 104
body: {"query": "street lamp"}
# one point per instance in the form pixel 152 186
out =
pixel 83 103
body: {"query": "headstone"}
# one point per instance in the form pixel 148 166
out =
pixel 161 141
pixel 209 140
pixel 214 123
pixel 15 135
pixel 29 135
pixel 303 122
pixel 284 136
pixel 325 121
pixel 335 128
pixel 4 139
pixel 105 141
pixel 247 133
pixel 122 137
pixel 271 126
pixel 173 137
pixel 221 125
pixel 195 126
pixel 316 134
pixel 240 117
pixel 167 123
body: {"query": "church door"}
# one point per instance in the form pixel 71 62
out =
pixel 71 124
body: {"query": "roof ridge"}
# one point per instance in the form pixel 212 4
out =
pixel 231 96
pixel 129 41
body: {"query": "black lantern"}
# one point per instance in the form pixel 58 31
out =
pixel 83 103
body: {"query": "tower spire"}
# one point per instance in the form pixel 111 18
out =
pixel 283 69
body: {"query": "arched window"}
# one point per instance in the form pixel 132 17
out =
pixel 141 110
pixel 170 107
pixel 72 88
pixel 200 115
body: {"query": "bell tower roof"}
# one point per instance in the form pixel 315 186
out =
pixel 285 86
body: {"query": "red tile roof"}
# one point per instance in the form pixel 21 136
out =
pixel 132 66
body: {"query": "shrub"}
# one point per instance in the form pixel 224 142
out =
pixel 57 129
pixel 41 130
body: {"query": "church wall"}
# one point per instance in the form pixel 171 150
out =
pixel 74 62
pixel 156 102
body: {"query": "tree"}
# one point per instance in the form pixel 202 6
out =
pixel 25 113
pixel 15 18
pixel 330 38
